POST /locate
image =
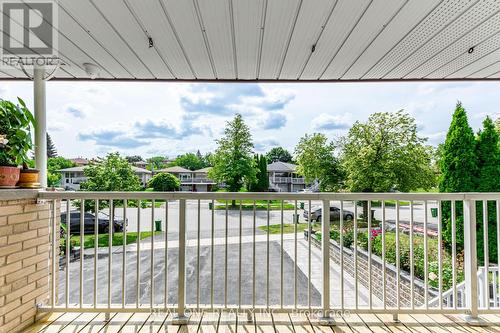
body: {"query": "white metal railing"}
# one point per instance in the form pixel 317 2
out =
pixel 286 180
pixel 197 180
pixel 222 259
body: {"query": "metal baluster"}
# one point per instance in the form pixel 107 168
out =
pixel 138 261
pixel 426 259
pixel 96 249
pixel 225 258
pixel 440 255
pixel 356 255
pixel 281 257
pixel 498 248
pixel 124 254
pixel 325 247
pixel 198 258
pixel 398 264
pixel 152 263
pixel 412 261
pixel 341 239
pixel 267 258
pixel 166 254
pixel 384 266
pixel 110 249
pixel 212 248
pixel 253 256
pixel 54 254
pixel 82 231
pixel 295 268
pixel 370 289
pixel 68 240
pixel 486 297
pixel 454 252
pixel 309 236
pixel 239 259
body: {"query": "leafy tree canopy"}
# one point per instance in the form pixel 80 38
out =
pixel 316 160
pixel 163 182
pixel 134 158
pixel 156 163
pixel 386 154
pixel 279 154
pixel 190 161
pixel 54 164
pixel 233 162
pixel 488 158
pixel 113 173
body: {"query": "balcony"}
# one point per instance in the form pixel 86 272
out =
pixel 220 268
pixel 197 180
pixel 286 180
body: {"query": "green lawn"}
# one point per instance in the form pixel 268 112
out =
pixel 259 205
pixel 89 240
pixel 287 228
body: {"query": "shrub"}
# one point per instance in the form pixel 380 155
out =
pixel 164 182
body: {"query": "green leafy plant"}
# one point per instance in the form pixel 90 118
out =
pixel 164 182
pixel 15 136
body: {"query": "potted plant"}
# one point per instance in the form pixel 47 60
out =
pixel 15 140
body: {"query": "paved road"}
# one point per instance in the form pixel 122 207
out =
pixel 247 218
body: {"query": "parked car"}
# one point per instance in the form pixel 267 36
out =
pixel 316 214
pixel 89 223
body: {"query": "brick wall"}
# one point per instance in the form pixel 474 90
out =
pixel 24 260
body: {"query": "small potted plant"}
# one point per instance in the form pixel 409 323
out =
pixel 15 140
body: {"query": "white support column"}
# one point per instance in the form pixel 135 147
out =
pixel 40 124
pixel 326 319
pixel 180 318
pixel 470 261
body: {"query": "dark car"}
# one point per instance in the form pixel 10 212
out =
pixel 316 214
pixel 89 223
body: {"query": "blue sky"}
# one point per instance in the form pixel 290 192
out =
pixel 94 118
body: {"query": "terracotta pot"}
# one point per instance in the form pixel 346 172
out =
pixel 29 178
pixel 9 176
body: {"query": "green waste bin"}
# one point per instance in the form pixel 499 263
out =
pixel 434 212
pixel 157 225
pixel 210 205
pixel 301 205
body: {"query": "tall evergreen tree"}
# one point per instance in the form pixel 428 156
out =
pixel 263 172
pixel 458 169
pixel 51 148
pixel 487 180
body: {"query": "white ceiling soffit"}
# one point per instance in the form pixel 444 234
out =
pixel 273 40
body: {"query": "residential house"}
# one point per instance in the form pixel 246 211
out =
pixel 72 177
pixel 80 161
pixel 283 177
pixel 191 181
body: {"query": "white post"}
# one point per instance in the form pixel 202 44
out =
pixel 180 318
pixel 470 260
pixel 40 124
pixel 325 246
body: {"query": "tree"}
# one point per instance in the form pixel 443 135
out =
pixel 497 125
pixel 386 154
pixel 189 161
pixel 163 182
pixel 279 154
pixel 113 173
pixel 261 183
pixel 51 148
pixel 316 161
pixel 53 165
pixel 156 163
pixel 487 180
pixel 134 158
pixel 458 169
pixel 233 163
